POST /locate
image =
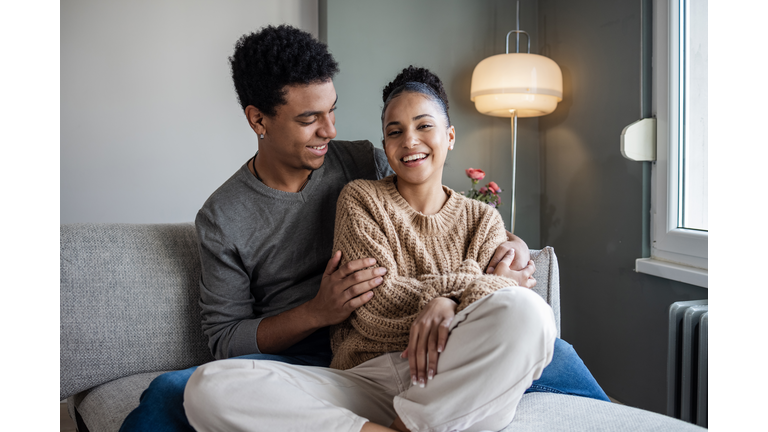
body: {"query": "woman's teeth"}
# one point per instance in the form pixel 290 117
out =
pixel 414 157
pixel 319 147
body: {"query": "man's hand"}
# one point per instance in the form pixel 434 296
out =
pixel 344 289
pixel 429 333
pixel 521 257
pixel 524 277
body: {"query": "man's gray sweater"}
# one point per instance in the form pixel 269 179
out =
pixel 263 251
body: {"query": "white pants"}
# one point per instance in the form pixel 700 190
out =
pixel 496 348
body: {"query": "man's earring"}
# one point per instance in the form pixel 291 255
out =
pixel 261 136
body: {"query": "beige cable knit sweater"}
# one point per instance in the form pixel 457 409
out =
pixel 444 254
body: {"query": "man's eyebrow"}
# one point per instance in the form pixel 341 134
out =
pixel 415 118
pixel 314 113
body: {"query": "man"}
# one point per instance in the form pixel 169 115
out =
pixel 268 290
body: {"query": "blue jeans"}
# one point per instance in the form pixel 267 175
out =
pixel 567 374
pixel 161 406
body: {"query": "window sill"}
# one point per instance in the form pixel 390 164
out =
pixel 668 270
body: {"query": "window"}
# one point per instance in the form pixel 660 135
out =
pixel 679 188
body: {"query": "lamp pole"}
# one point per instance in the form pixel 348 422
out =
pixel 513 113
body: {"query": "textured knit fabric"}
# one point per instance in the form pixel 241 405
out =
pixel 426 256
pixel 263 251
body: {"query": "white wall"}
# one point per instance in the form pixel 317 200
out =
pixel 150 123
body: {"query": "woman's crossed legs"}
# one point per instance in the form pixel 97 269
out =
pixel 497 347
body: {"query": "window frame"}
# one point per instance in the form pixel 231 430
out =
pixel 676 253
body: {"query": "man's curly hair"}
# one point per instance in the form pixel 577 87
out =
pixel 266 61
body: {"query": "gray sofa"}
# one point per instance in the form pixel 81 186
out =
pixel 129 312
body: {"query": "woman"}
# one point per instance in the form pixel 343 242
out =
pixel 435 243
pixel 441 345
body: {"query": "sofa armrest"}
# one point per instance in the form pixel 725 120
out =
pixel 547 277
pixel 128 302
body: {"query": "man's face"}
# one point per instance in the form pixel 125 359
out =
pixel 301 129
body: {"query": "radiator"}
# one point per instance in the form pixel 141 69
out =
pixel 687 361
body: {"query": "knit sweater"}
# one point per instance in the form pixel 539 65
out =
pixel 426 256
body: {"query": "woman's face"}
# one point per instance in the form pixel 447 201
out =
pixel 416 139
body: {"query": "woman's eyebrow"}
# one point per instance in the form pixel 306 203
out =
pixel 314 113
pixel 415 118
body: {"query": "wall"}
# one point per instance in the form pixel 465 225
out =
pixel 374 40
pixel 150 123
pixel 591 202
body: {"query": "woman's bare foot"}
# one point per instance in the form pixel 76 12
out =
pixel 397 426
pixel 373 427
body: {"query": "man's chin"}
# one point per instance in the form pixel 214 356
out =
pixel 314 165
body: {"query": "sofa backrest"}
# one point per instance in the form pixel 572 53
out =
pixel 129 301
pixel 547 277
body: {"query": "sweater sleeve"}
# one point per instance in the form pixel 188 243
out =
pixel 363 230
pixel 228 319
pixel 489 235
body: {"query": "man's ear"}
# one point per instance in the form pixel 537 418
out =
pixel 255 119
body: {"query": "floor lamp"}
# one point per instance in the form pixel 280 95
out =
pixel 516 85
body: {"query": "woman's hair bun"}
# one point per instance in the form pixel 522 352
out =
pixel 417 74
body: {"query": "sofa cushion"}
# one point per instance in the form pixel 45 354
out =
pixel 104 408
pixel 563 413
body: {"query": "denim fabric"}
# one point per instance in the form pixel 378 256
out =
pixel 567 374
pixel 161 406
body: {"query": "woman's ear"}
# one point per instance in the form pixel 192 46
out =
pixel 451 137
pixel 256 120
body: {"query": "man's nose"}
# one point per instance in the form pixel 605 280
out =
pixel 327 128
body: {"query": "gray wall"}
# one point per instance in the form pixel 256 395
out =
pixel 591 202
pixel 374 40
pixel 588 198
pixel 150 124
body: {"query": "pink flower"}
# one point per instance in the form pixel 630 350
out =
pixel 475 174
pixel 494 187
pixel 483 190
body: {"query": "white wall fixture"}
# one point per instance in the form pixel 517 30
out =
pixel 638 141
pixel 516 85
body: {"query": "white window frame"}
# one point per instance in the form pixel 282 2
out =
pixel 676 253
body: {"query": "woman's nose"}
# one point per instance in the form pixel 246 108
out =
pixel 410 139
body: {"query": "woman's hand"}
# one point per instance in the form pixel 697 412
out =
pixel 429 333
pixel 524 277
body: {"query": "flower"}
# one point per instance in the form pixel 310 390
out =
pixel 487 194
pixel 475 174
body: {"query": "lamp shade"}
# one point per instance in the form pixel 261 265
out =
pixel 531 84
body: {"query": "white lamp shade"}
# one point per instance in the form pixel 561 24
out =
pixel 531 84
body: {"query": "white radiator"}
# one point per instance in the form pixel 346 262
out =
pixel 687 361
